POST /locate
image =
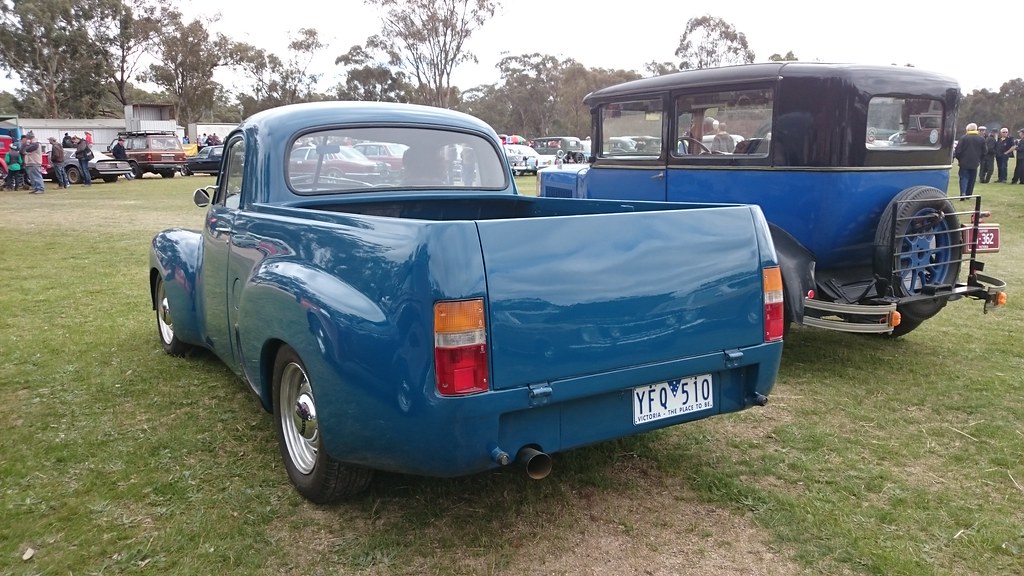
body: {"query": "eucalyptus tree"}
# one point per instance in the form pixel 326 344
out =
pixel 136 27
pixel 56 48
pixel 368 80
pixel 427 38
pixel 277 82
pixel 709 42
pixel 184 72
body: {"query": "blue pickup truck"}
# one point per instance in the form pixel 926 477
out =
pixel 437 322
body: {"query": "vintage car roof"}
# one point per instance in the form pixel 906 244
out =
pixel 286 119
pixel 877 78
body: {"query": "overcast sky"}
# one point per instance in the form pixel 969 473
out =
pixel 935 36
pixel 939 37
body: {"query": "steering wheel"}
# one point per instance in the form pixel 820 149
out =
pixel 691 142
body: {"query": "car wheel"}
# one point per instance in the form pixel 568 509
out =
pixel 165 324
pixel 918 245
pixel 137 170
pixel 186 171
pixel 315 475
pixel 168 173
pixel 74 174
pixel 109 179
pixel 333 173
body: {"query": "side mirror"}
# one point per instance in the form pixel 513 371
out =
pixel 202 197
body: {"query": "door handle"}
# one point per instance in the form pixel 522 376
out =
pixel 658 176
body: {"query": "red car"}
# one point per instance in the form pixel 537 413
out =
pixel 386 152
pixel 337 162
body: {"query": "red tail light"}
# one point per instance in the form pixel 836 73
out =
pixel 460 347
pixel 774 308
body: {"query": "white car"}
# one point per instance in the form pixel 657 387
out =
pixel 525 160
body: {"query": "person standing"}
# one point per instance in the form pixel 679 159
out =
pixel 66 142
pixel 968 153
pixel 15 175
pixel 988 161
pixel 83 153
pixel 120 153
pixel 32 162
pixel 1018 169
pixel 1004 147
pixel 57 163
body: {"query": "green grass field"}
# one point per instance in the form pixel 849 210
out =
pixel 874 456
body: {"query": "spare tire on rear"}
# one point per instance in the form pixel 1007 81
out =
pixel 918 247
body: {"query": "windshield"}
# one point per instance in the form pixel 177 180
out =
pixel 326 161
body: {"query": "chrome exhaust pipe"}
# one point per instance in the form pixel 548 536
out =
pixel 537 463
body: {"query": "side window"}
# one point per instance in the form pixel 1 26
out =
pixel 229 193
pixel 632 129
pixel 904 123
pixel 726 122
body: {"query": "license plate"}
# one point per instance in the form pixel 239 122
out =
pixel 672 398
pixel 988 237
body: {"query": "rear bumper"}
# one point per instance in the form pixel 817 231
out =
pixel 451 437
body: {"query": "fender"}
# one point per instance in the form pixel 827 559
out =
pixel 797 266
pixel 313 311
pixel 174 256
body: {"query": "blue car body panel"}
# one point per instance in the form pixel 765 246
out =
pixel 584 300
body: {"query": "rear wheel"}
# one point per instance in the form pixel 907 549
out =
pixel 314 473
pixel 137 170
pixel 74 174
pixel 168 173
pixel 926 251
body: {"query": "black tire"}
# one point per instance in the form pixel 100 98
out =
pixel 109 179
pixel 165 324
pixel 931 252
pixel 168 173
pixel 186 171
pixel 137 170
pixel 315 475
pixel 74 174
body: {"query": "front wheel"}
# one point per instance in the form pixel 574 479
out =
pixel 165 324
pixel 315 475
pixel 918 247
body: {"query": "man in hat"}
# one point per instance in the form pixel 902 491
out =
pixel 57 162
pixel 988 160
pixel 32 160
pixel 1018 170
pixel 83 153
pixel 119 153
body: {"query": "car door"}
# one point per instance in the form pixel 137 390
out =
pixel 635 173
pixel 216 275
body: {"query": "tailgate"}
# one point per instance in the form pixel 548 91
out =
pixel 577 295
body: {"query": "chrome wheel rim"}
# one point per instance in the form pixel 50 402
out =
pixel 163 317
pixel 298 418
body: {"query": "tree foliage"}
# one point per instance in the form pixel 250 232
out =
pixel 995 110
pixel 51 45
pixel 789 57
pixel 136 26
pixel 185 72
pixel 709 42
pixel 426 39
pixel 371 81
pixel 276 82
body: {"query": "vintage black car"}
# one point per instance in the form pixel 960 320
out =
pixel 207 161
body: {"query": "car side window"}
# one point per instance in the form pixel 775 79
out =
pixel 725 122
pixel 632 129
pixel 230 191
